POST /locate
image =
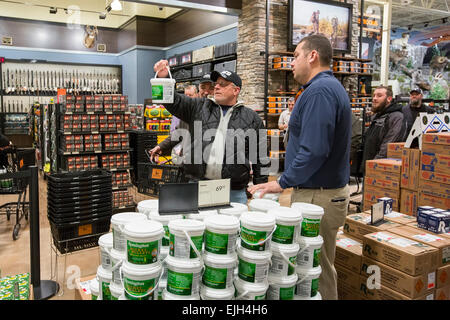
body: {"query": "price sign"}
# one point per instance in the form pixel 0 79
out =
pixel 213 193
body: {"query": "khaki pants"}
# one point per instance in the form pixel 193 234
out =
pixel 333 218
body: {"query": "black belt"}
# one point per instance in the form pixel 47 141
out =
pixel 299 187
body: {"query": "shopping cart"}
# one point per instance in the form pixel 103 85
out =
pixel 17 160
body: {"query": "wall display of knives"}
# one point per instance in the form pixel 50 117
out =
pixel 44 79
pixel 17 104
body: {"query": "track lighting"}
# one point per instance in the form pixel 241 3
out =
pixel 116 5
pixel 53 10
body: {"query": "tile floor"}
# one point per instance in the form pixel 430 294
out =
pixel 15 254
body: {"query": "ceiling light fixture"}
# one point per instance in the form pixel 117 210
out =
pixel 426 24
pixel 53 10
pixel 102 16
pixel 410 27
pixel 116 5
pixel 444 20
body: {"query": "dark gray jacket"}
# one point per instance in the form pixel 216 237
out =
pixel 411 114
pixel 207 112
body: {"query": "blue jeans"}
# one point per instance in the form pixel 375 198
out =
pixel 238 196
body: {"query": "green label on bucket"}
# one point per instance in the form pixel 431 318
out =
pixel 106 293
pixel 142 253
pixel 157 92
pixel 316 260
pixel 287 293
pixel 284 234
pixel 215 278
pixel 138 288
pixel 291 269
pixel 165 240
pixel 179 283
pixel 314 287
pixel 93 297
pixel 249 237
pixel 180 246
pixel 310 227
pixel 216 243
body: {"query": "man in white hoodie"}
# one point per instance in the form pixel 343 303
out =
pixel 228 140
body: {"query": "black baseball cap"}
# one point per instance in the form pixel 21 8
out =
pixel 418 90
pixel 227 75
pixel 206 78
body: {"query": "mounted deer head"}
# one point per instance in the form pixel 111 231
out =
pixel 91 34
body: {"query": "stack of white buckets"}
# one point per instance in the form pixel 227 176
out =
pixel 263 251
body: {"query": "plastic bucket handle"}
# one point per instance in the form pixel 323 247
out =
pixel 306 247
pixel 168 69
pixel 287 260
pixel 192 244
pixel 148 292
pixel 261 242
pixel 117 266
pixel 241 295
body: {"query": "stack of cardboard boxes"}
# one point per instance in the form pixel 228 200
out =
pixel 382 179
pixel 394 260
pixel 410 181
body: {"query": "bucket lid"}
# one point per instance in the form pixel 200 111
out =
pixel 146 228
pixel 268 196
pixel 286 214
pixel 104 273
pixel 116 289
pixel 154 215
pixel 186 224
pixel 236 209
pixel 125 217
pixel 283 281
pixel 254 255
pixel 311 272
pixel 183 263
pixel 307 208
pixel 166 295
pixel 222 222
pixel 93 285
pixel 260 287
pixel 106 240
pixel 289 249
pixel 220 294
pixel 258 219
pixel 312 241
pixel 209 257
pixel 318 296
pixel 263 204
pixel 202 214
pixel 148 205
pixel 118 255
pixel 142 270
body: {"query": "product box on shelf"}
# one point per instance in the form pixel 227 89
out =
pixel 435 162
pixel 371 194
pixel 348 283
pixel 434 189
pixel 384 165
pixel 437 138
pixel 394 150
pixel 206 53
pixel 443 293
pixel 435 176
pixel 411 159
pixel 409 201
pixel 443 276
pixel 359 224
pixel 434 148
pixel 348 252
pixel 406 255
pixel 428 200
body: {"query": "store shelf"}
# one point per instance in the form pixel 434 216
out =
pixel 122 187
pixel 73 153
pixel 93 132
pixel 118 169
pixel 95 112
pixel 190 65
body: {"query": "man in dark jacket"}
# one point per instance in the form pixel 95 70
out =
pixel 387 125
pixel 228 140
pixel 415 106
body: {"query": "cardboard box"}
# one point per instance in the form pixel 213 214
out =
pixel 433 240
pixel 410 168
pixel 384 165
pixel 400 218
pixel 410 286
pixel 440 138
pixel 394 150
pixel 385 293
pixel 406 255
pixel 81 292
pixel 436 148
pixel 437 202
pixel 347 284
pixel 357 225
pixel 443 276
pixel 381 183
pixel 371 194
pixel 434 189
pixel 435 162
pixel 348 253
pixel 434 176
pixel 409 201
pixel 443 293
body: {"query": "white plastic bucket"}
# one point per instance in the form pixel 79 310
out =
pixel 117 258
pixel 308 282
pixel 201 215
pixel 162 89
pixel 122 297
pixel 140 282
pixel 309 253
pixel 312 215
pixel 268 196
pixel 162 285
pixel 262 205
pixel 104 278
pixel 164 220
pixel 207 293
pixel 143 241
pixel 183 276
pixel 221 233
pixel 186 238
pixel 256 230
pixel 105 242
pixel 118 222
pixel 219 270
pixel 236 209
pixel 318 296
pixel 288 222
pixel 166 295
pixel 116 291
pixel 250 291
pixel 282 288
pixel 94 287
pixel 283 259
pixel 253 266
pixel 148 206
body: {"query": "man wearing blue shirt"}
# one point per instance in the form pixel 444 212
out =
pixel 318 152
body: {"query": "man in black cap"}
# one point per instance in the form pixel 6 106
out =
pixel 206 86
pixel 228 140
pixel 415 106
